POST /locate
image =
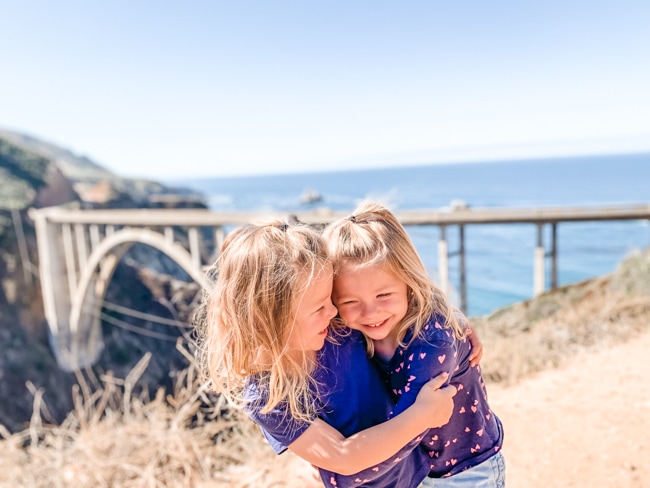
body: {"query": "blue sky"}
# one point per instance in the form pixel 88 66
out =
pixel 209 88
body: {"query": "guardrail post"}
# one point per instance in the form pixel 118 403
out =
pixel 219 237
pixel 539 284
pixel 193 235
pixel 169 234
pixel 82 250
pixel 443 261
pixel 554 255
pixel 68 253
pixel 463 281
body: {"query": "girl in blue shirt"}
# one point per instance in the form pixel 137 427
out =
pixel 382 289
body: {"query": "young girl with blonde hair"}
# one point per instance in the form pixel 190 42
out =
pixel 267 346
pixel 382 289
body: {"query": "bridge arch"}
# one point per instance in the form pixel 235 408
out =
pixel 98 272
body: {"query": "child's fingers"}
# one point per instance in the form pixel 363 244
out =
pixel 476 355
pixel 437 381
pixel 477 347
pixel 450 390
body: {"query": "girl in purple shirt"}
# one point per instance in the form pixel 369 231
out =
pixel 382 289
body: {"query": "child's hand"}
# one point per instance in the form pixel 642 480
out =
pixel 477 347
pixel 437 403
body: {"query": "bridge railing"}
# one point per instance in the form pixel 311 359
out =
pixel 80 248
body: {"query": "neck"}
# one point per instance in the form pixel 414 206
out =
pixel 385 348
pixel 307 358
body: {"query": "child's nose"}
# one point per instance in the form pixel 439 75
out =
pixel 368 308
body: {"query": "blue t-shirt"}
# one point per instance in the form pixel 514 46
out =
pixel 473 433
pixel 352 397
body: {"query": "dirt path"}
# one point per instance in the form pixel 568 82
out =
pixel 586 424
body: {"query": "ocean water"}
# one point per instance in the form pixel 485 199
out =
pixel 499 258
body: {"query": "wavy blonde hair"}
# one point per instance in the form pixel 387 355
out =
pixel 372 235
pixel 246 320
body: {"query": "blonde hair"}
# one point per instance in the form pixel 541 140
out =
pixel 372 235
pixel 248 316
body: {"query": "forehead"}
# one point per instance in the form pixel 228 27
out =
pixel 312 285
pixel 353 274
pixel 349 266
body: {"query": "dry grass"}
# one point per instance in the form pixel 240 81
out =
pixel 114 438
pixel 542 333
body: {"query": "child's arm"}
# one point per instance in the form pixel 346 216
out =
pixel 324 446
pixel 423 360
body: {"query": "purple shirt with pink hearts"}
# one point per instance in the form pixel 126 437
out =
pixel 473 433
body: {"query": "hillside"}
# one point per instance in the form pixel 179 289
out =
pixel 540 333
pixel 96 185
pixel 73 166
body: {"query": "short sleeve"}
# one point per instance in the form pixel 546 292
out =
pixel 425 358
pixel 278 426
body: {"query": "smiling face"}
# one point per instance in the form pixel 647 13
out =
pixel 373 301
pixel 312 313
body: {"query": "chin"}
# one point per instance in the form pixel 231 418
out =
pixel 376 337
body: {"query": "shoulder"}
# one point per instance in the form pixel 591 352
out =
pixel 343 335
pixel 342 348
pixel 255 396
pixel 342 342
pixel 278 425
pixel 434 331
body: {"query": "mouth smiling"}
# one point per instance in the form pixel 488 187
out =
pixel 378 324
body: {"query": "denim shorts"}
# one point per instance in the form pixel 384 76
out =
pixel 491 473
